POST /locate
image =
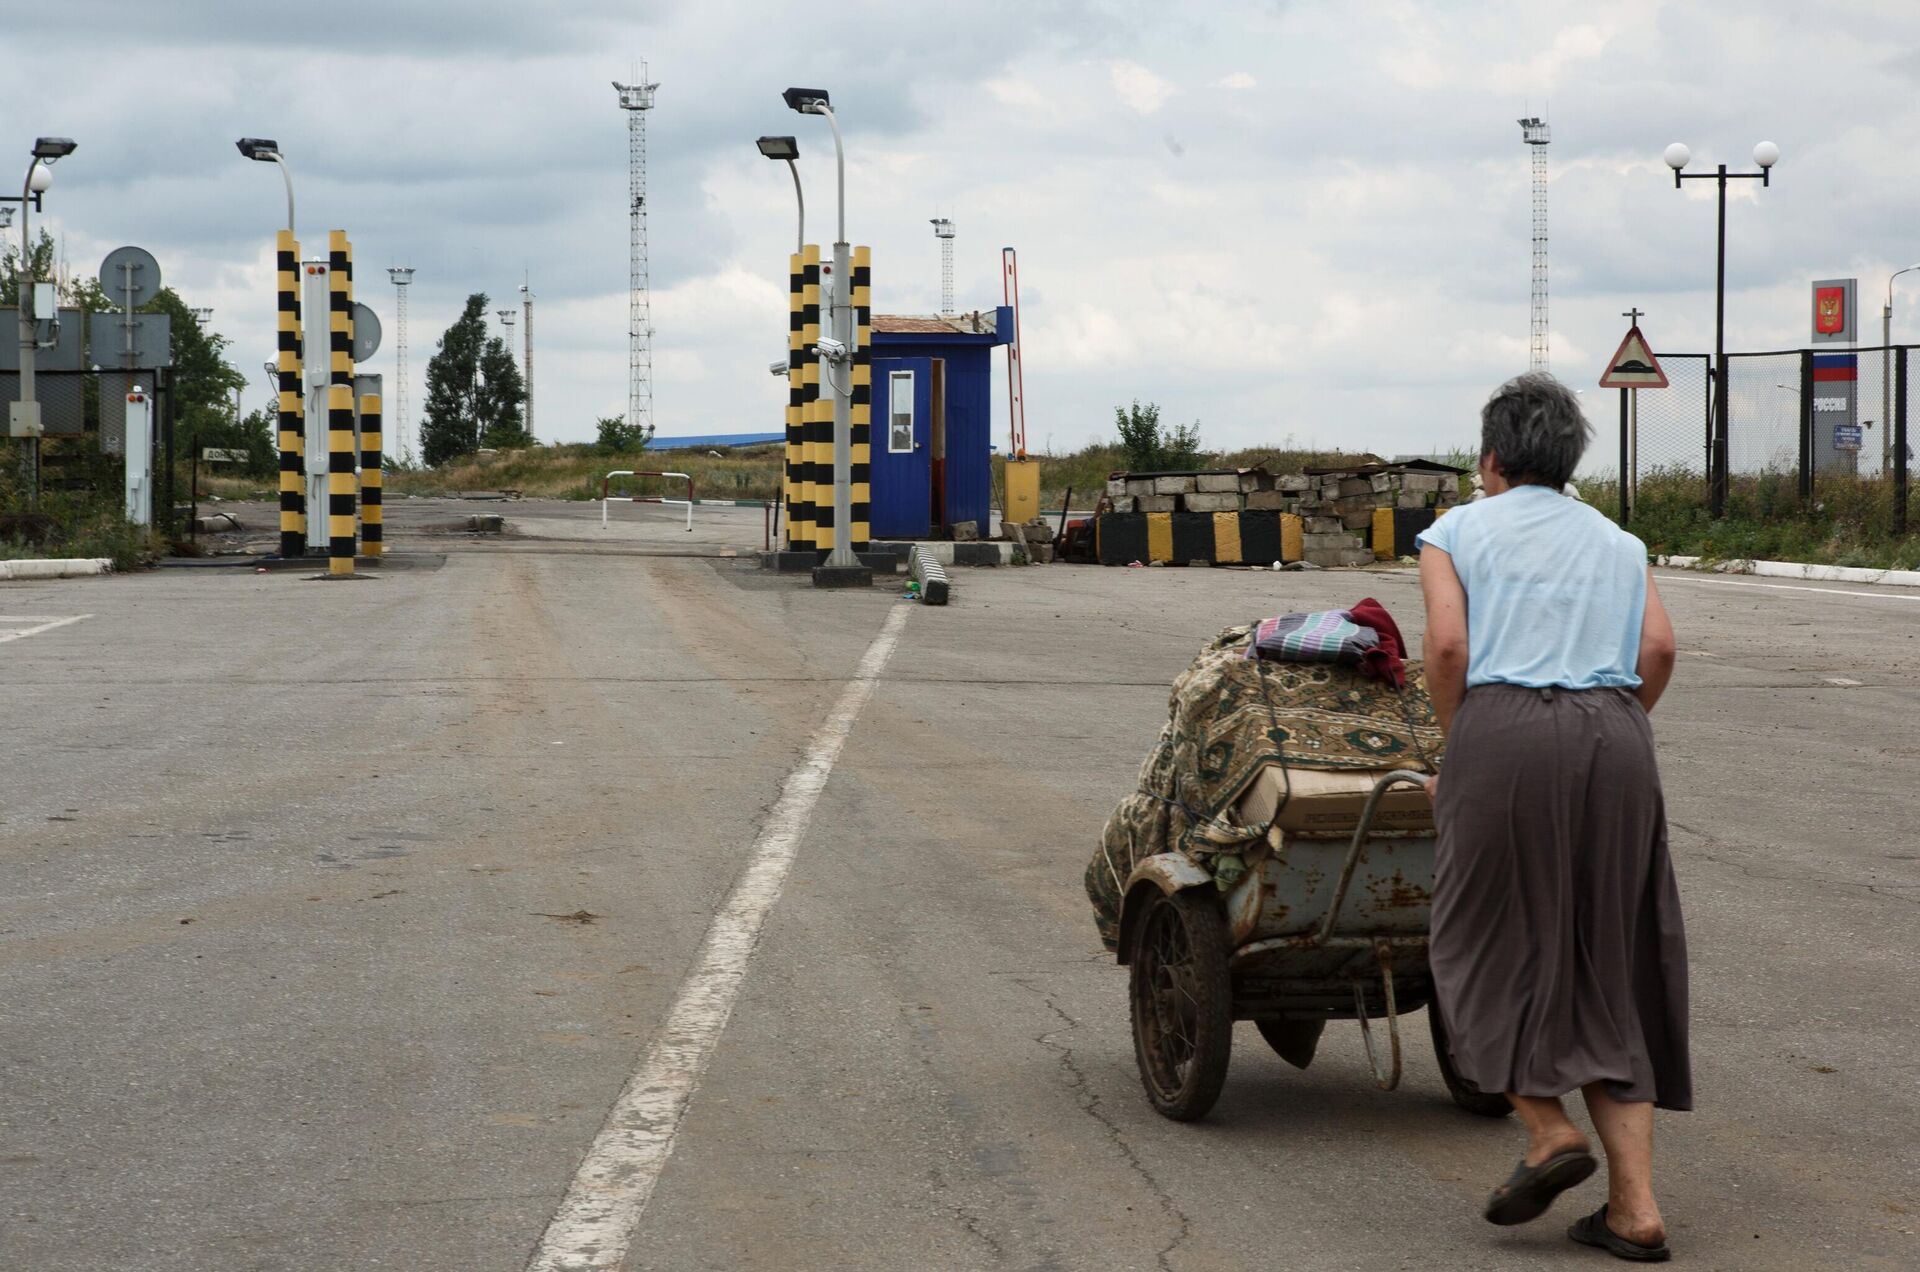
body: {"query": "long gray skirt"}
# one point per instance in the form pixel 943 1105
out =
pixel 1558 951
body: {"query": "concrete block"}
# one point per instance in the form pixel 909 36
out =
pixel 1356 486
pixel 1124 503
pixel 1139 486
pixel 1327 542
pixel 1156 503
pixel 1038 530
pixel 1415 499
pixel 1270 501
pixel 1042 553
pixel 1383 482
pixel 1323 525
pixel 1255 479
pixel 1424 481
pixel 842 576
pixel 1361 520
pixel 1117 487
pixel 1227 502
pixel 1346 504
pixel 1172 485
pixel 1295 483
pixel 1217 483
pixel 966 532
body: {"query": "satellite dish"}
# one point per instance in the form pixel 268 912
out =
pixel 130 276
pixel 366 333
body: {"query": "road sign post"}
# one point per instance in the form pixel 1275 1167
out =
pixel 1632 368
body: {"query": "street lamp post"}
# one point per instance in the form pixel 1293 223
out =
pixel 1886 372
pixel 266 150
pixel 788 149
pixel 1677 156
pixel 842 567
pixel 24 416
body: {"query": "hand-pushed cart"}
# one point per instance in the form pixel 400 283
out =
pixel 1319 928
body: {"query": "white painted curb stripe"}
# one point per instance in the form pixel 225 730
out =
pixel 66 568
pixel 1791 587
pixel 1803 571
pixel 596 1220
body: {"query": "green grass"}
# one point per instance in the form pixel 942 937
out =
pixel 1849 522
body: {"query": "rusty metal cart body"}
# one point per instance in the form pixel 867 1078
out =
pixel 1328 927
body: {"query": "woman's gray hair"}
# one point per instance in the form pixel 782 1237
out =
pixel 1534 426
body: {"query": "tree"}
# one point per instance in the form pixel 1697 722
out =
pixel 203 380
pixel 617 437
pixel 474 391
pixel 1148 449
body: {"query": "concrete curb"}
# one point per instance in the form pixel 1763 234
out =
pixel 1795 570
pixel 989 553
pixel 68 568
pixel 930 575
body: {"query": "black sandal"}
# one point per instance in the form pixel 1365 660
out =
pixel 1531 1189
pixel 1593 1231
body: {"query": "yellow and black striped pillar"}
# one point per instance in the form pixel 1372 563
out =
pixel 293 518
pixel 340 448
pixel 814 482
pixel 799 512
pixel 860 423
pixel 372 481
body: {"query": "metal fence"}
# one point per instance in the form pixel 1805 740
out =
pixel 1812 426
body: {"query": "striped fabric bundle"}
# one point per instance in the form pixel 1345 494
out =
pixel 1320 636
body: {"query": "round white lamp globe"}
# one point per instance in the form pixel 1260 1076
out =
pixel 40 178
pixel 1766 154
pixel 1678 156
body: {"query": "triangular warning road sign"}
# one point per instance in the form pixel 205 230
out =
pixel 1633 365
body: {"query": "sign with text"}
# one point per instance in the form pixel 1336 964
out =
pixel 1846 437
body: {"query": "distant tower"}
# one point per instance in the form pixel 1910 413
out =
pixel 943 230
pixel 526 334
pixel 1534 132
pixel 637 100
pixel 402 276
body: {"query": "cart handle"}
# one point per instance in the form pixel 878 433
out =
pixel 1399 777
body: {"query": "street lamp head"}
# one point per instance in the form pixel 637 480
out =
pixel 40 178
pixel 1678 156
pixel 1766 154
pixel 779 148
pixel 51 148
pixel 263 149
pixel 808 101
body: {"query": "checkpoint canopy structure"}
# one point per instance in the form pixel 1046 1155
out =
pixel 933 415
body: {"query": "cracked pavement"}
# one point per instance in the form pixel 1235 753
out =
pixel 284 993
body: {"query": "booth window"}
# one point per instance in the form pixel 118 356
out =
pixel 900 413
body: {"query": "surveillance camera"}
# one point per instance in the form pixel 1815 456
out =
pixel 830 349
pixel 776 368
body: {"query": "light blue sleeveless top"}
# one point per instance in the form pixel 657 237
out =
pixel 1555 591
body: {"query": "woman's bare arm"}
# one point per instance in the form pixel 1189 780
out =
pixel 1657 649
pixel 1445 642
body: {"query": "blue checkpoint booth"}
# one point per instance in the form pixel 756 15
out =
pixel 933 416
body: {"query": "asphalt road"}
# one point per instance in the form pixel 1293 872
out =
pixel 337 915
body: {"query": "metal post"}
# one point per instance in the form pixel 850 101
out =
pixel 293 447
pixel 1717 461
pixel 1886 380
pixel 842 555
pixel 1626 511
pixel 30 445
pixel 372 461
pixel 1899 433
pixel 1806 426
pixel 800 201
pixel 342 488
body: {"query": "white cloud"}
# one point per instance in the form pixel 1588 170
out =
pixel 1239 80
pixel 1139 89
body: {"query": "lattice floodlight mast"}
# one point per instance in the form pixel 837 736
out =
pixel 637 100
pixel 402 276
pixel 1535 133
pixel 943 230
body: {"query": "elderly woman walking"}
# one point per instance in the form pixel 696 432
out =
pixel 1558 954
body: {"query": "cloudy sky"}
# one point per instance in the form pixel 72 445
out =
pixel 1292 220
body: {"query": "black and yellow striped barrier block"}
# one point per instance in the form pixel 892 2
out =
pixel 1220 538
pixel 860 421
pixel 1238 538
pixel 811 404
pixel 799 521
pixel 372 479
pixel 342 488
pixel 292 440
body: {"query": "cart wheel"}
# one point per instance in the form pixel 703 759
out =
pixel 1182 1001
pixel 1464 1093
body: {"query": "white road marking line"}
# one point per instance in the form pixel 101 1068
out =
pixel 596 1220
pixel 46 624
pixel 1790 587
pixel 1842 681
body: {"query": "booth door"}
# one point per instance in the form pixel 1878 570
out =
pixel 902 476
